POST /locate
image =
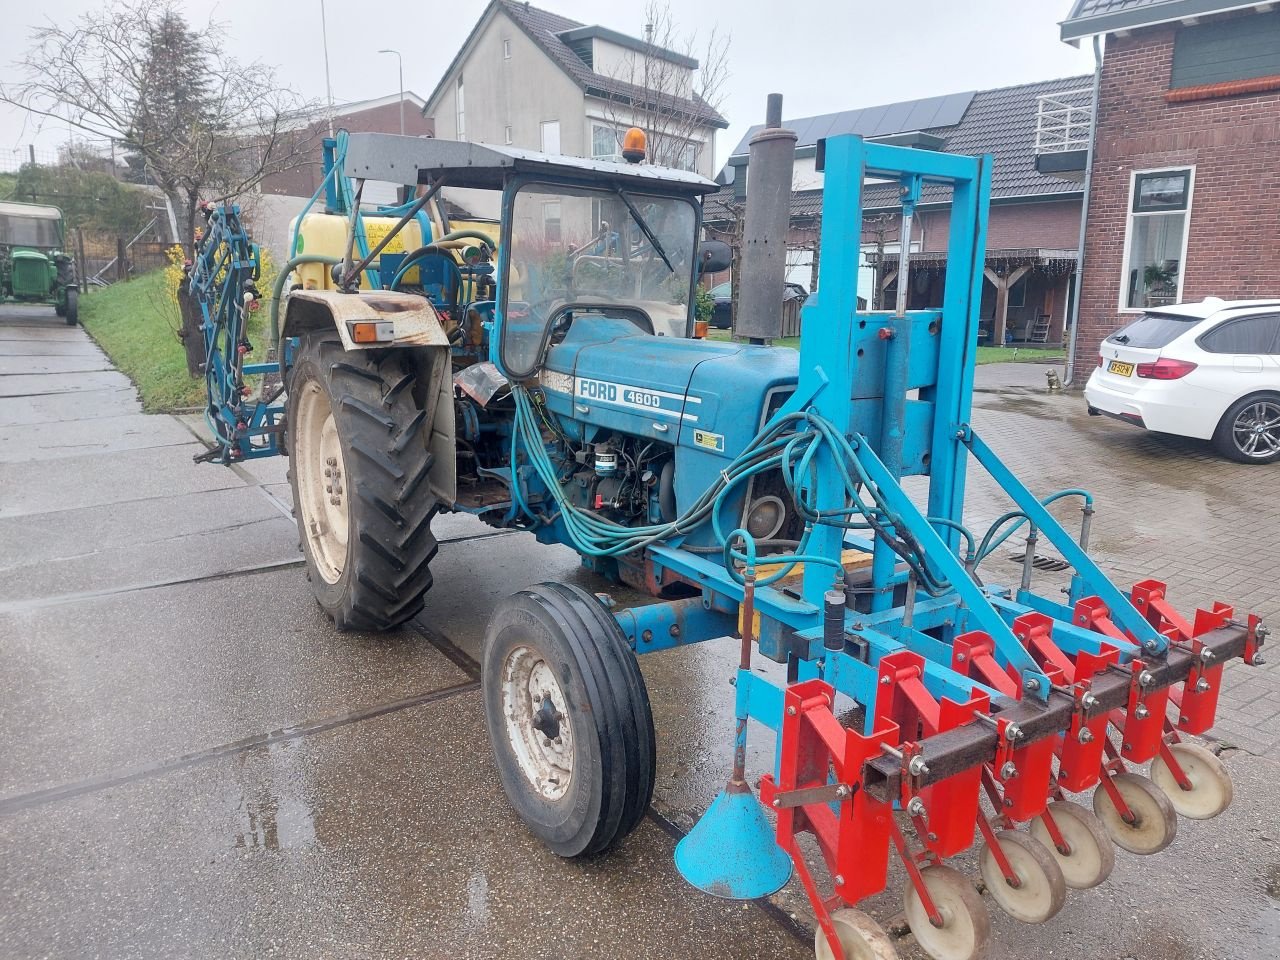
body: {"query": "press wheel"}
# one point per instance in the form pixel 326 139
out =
pixel 966 924
pixel 1155 821
pixel 1211 790
pixel 861 938
pixel 1090 854
pixel 1041 889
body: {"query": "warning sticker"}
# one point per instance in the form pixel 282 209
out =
pixel 375 230
pixel 708 440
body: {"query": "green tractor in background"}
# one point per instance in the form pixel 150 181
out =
pixel 33 265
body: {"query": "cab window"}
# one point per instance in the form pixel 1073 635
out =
pixel 595 251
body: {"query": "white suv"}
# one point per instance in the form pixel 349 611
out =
pixel 1208 370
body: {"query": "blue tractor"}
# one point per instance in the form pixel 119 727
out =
pixel 542 373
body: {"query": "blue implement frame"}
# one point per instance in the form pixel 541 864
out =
pixel 898 387
pixel 222 282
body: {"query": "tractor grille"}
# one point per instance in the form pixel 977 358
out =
pixel 30 277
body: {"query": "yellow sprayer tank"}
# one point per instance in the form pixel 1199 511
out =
pixel 325 234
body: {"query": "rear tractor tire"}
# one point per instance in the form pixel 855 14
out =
pixel 568 717
pixel 359 462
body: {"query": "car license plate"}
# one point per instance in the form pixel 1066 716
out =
pixel 1120 369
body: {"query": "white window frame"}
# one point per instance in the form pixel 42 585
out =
pixel 549 207
pixel 506 133
pixel 459 109
pixel 506 49
pixel 617 139
pixel 542 136
pixel 1130 214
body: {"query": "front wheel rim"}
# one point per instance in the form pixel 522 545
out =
pixel 1256 430
pixel 323 492
pixel 537 724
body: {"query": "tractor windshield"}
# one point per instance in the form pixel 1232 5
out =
pixel 19 231
pixel 578 250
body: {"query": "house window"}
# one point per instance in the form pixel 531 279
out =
pixel 506 49
pixel 551 136
pixel 680 154
pixel 689 156
pixel 506 133
pixel 551 221
pixel 604 141
pixel 461 115
pixel 1156 239
pixel 1018 292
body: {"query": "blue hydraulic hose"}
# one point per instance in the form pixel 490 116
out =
pixel 772 448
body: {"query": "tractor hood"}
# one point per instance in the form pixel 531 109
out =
pixel 692 393
pixel 26 253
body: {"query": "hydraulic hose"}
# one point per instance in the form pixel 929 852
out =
pixel 277 291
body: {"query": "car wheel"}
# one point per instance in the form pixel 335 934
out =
pixel 1249 431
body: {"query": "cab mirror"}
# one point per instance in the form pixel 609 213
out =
pixel 714 256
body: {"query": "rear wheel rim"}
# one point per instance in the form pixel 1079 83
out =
pixel 536 723
pixel 1256 429
pixel 322 482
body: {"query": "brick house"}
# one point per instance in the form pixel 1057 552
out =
pixel 280 197
pixel 1184 191
pixel 364 116
pixel 1034 225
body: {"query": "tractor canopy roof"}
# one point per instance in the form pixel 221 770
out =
pixel 396 159
pixel 30 225
pixel 35 211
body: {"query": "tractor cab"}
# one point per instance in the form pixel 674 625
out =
pixel 33 266
pixel 580 238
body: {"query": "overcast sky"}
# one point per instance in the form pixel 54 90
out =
pixel 822 57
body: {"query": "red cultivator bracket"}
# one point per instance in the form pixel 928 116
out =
pixel 951 804
pixel 821 789
pixel 825 786
pixel 1197 701
pixel 1024 772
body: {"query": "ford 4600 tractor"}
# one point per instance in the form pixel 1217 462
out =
pixel 541 372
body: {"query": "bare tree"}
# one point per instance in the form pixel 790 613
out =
pixel 671 102
pixel 199 123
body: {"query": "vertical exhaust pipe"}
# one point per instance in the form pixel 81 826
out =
pixel 763 262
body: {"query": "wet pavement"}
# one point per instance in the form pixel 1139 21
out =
pixel 196 764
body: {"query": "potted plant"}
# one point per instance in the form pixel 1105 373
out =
pixel 1158 283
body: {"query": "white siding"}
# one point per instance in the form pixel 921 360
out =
pixel 520 92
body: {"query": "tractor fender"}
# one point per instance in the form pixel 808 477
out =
pixel 418 331
pixel 414 319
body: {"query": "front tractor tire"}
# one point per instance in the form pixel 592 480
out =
pixel 71 312
pixel 359 462
pixel 568 718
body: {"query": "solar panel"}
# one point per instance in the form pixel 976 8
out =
pixel 878 121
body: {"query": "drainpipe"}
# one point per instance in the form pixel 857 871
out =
pixel 1084 213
